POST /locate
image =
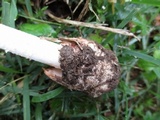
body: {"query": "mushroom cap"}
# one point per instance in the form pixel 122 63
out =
pixel 87 67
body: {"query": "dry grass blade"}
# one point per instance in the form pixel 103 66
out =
pixel 92 25
pixel 84 11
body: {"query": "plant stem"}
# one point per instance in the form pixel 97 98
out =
pixel 29 46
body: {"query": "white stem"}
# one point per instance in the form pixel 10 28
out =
pixel 29 46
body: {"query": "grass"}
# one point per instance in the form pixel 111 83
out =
pixel 26 93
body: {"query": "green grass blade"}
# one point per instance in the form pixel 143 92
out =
pixel 13 13
pixel 5 12
pixel 100 117
pixel 26 100
pixel 9 13
pixel 29 8
pixel 121 25
pixel 116 94
pixel 143 56
pixel 9 70
pixel 38 112
pixel 127 19
pixel 48 95
pixel 149 2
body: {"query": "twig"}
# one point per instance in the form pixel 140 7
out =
pixel 77 6
pixel 92 25
pixel 84 10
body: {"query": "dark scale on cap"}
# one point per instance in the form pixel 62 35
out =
pixel 88 71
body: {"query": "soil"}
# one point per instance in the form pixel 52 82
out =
pixel 83 70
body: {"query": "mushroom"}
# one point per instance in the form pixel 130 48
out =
pixel 76 63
